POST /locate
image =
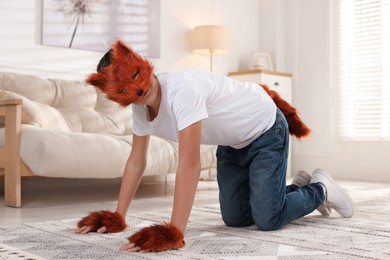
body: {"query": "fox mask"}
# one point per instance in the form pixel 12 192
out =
pixel 126 79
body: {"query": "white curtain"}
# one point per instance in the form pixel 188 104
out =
pixel 363 73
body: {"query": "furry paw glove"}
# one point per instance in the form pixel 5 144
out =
pixel 113 221
pixel 158 238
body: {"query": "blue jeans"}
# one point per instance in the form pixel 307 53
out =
pixel 252 183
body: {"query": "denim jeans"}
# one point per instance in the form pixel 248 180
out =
pixel 252 183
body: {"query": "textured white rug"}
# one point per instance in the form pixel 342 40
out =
pixel 365 236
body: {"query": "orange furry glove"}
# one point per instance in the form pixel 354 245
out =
pixel 113 221
pixel 158 238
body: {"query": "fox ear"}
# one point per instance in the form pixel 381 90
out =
pixel 121 50
pixel 98 80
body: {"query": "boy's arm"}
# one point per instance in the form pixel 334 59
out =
pixel 187 174
pixel 171 235
pixel 134 169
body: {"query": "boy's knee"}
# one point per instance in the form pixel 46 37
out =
pixel 263 225
pixel 267 224
pixel 237 222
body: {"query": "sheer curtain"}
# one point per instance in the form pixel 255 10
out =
pixel 363 69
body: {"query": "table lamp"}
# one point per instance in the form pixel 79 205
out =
pixel 210 39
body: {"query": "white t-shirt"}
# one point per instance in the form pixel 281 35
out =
pixel 232 113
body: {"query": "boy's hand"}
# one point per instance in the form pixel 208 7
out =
pixel 86 229
pixel 101 222
pixel 156 238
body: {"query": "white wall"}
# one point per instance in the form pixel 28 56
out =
pixel 19 53
pixel 300 37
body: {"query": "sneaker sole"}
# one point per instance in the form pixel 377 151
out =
pixel 324 210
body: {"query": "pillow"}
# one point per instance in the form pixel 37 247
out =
pixel 73 94
pixel 26 118
pixel 37 114
pixel 32 87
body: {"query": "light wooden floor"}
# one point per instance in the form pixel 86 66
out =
pixel 50 199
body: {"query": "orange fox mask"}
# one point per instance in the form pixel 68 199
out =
pixel 127 78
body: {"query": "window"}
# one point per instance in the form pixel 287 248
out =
pixel 363 69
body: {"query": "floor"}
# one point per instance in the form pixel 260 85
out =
pixel 51 199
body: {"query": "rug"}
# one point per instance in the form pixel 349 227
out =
pixel 365 236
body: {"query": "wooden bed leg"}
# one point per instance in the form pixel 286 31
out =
pixel 12 173
pixel 12 185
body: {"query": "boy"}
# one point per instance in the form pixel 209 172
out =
pixel 198 107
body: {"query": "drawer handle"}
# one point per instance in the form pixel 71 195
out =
pixel 276 84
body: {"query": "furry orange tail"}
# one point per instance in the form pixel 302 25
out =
pixel 296 126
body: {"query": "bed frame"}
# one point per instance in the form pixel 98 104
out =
pixel 13 167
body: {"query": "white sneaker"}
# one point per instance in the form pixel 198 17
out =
pixel 336 197
pixel 302 179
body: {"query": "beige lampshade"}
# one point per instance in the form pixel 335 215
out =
pixel 210 39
